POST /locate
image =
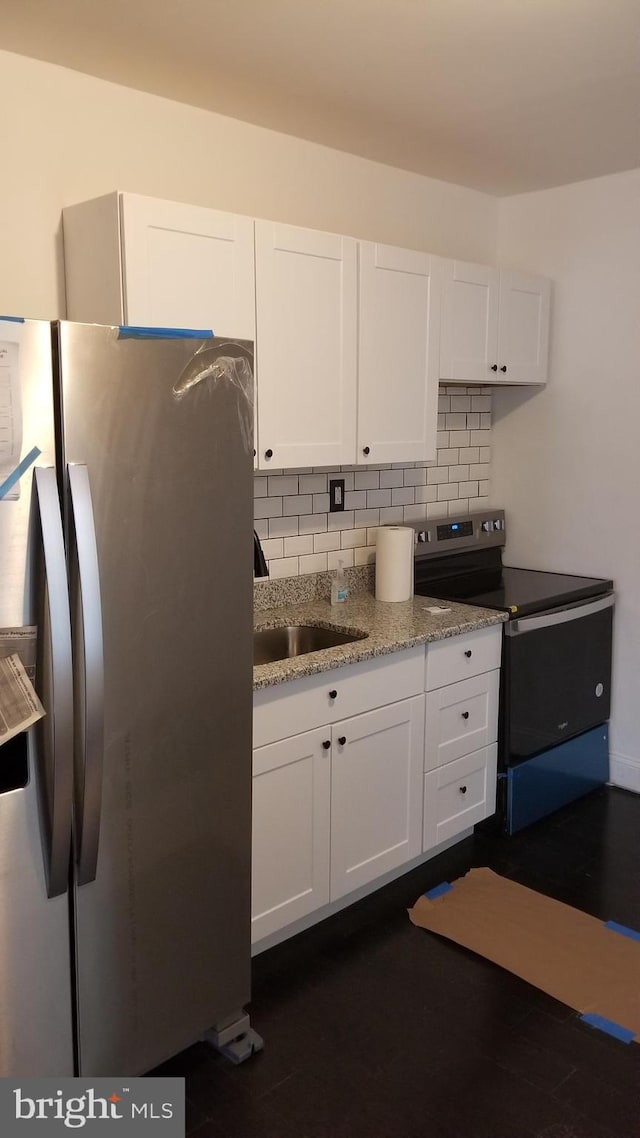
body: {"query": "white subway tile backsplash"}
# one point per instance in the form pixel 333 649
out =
pixel 381 497
pixel 392 515
pixel 417 477
pixel 448 490
pixel 391 478
pixel 355 500
pixel 425 494
pixel 273 548
pixel 283 527
pixel 295 546
pixel 323 542
pixel 404 496
pixel 367 518
pixel 267 508
pixel 313 523
pixel 353 537
pixel 437 474
pixel 313 483
pixel 468 489
pixel 367 480
pixel 291 507
pixel 284 567
pixel 313 563
pixel 342 519
pixel 286 484
pixel 298 504
pixel 365 555
pixel 340 555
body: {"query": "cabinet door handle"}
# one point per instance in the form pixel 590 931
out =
pixel 465 714
pixel 494 367
pixel 268 453
pixel 366 450
pixel 333 694
pixel 463 789
pixel 503 368
pixel 326 744
pixel 468 653
pixel 342 740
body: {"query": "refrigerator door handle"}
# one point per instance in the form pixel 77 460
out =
pixel 90 713
pixel 60 783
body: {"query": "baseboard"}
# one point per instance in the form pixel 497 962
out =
pixel 624 771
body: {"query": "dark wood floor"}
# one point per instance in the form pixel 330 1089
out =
pixel 376 1029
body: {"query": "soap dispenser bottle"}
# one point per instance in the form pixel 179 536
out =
pixel 339 586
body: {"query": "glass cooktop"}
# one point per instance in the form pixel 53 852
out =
pixel 520 591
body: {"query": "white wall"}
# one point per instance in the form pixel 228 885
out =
pixel 66 137
pixel 566 460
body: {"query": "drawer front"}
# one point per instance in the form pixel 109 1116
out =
pixel 459 795
pixel 460 657
pixel 288 709
pixel 461 718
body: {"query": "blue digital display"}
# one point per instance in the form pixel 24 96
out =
pixel 454 527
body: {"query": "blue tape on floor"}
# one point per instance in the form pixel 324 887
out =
pixel 13 319
pixel 16 474
pixel 438 890
pixel 608 1026
pixel 138 332
pixel 622 929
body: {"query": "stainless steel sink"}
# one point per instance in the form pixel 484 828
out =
pixel 271 644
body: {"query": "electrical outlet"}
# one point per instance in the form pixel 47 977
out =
pixel 336 494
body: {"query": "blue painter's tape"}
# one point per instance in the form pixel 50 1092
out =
pixel 13 319
pixel 608 1026
pixel 622 929
pixel 139 332
pixel 16 474
pixel 438 890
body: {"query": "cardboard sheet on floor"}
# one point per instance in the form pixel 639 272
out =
pixel 568 954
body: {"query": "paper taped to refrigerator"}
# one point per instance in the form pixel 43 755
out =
pixel 20 707
pixel 10 414
pixel 23 641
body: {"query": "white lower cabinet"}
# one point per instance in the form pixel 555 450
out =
pixel 291 810
pixel 376 781
pixel 458 795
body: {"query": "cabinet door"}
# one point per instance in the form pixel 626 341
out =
pixel 187 267
pixel 290 853
pixel 459 794
pixel 376 793
pixel 523 343
pixel 469 331
pixel 398 353
pixel 306 346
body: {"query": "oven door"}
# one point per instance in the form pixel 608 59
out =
pixel 556 676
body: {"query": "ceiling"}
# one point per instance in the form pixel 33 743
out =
pixel 500 95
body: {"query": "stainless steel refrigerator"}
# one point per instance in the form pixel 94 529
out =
pixel 125 827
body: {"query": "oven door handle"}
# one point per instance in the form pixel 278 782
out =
pixel 559 616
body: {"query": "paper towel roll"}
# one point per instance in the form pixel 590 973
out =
pixel 394 563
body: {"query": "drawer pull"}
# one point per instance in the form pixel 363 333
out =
pixel 326 744
pixel 468 653
pixel 463 789
pixel 333 694
pixel 342 740
pixel 465 714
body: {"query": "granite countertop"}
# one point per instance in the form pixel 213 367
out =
pixel 389 627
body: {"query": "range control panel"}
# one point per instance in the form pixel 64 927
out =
pixel 466 532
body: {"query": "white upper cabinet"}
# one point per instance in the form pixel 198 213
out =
pixel 495 325
pixel 469 331
pixel 306 301
pixel 523 342
pixel 139 260
pixel 398 348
